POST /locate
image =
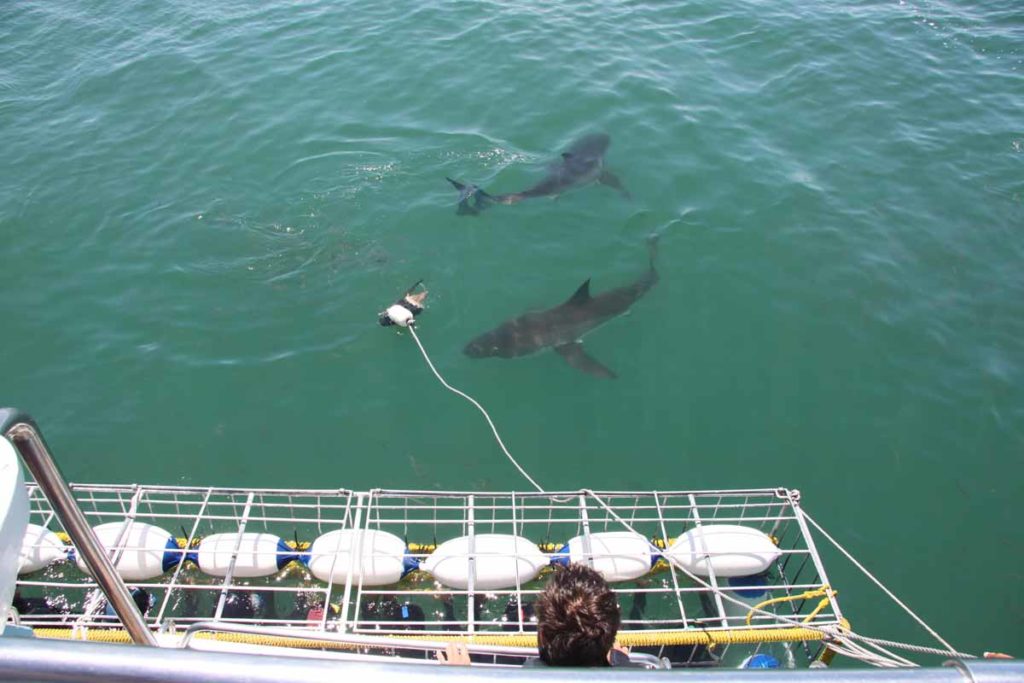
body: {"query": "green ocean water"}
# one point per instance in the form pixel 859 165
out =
pixel 203 207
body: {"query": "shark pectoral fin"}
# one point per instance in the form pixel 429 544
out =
pixel 611 180
pixel 575 356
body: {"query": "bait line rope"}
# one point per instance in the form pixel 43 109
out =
pixel 472 400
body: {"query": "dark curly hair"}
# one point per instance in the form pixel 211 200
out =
pixel 577 618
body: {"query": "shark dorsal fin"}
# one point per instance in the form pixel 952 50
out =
pixel 581 296
pixel 567 155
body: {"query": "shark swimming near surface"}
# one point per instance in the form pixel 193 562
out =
pixel 562 327
pixel 581 164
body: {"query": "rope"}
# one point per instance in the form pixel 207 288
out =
pixel 472 400
pixel 949 648
pixel 878 642
pixel 822 592
pixel 860 653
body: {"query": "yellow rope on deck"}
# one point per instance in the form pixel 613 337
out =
pixel 626 639
pixel 651 638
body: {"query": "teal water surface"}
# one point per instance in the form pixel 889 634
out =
pixel 204 206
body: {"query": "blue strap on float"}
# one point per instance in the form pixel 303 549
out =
pixel 285 554
pixel 655 555
pixel 409 563
pixel 561 556
pixel 172 553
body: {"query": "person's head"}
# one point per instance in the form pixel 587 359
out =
pixel 143 599
pixel 577 618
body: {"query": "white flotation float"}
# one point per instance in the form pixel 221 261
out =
pixel 149 551
pixel 728 549
pixel 13 520
pixel 497 561
pixel 258 554
pixel 39 549
pixel 375 558
pixel 616 555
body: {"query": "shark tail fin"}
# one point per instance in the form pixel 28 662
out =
pixel 472 200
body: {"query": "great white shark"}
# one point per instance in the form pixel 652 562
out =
pixel 562 327
pixel 581 164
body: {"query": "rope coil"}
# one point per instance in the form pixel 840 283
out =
pixel 825 592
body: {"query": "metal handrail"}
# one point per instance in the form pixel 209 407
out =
pixel 75 662
pixel 26 437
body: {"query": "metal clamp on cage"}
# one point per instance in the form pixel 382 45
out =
pixel 404 311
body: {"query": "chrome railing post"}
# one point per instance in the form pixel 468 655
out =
pixel 22 432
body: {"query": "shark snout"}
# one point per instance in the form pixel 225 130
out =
pixel 475 349
pixel 486 346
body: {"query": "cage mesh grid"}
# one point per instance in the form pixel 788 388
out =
pixel 665 598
